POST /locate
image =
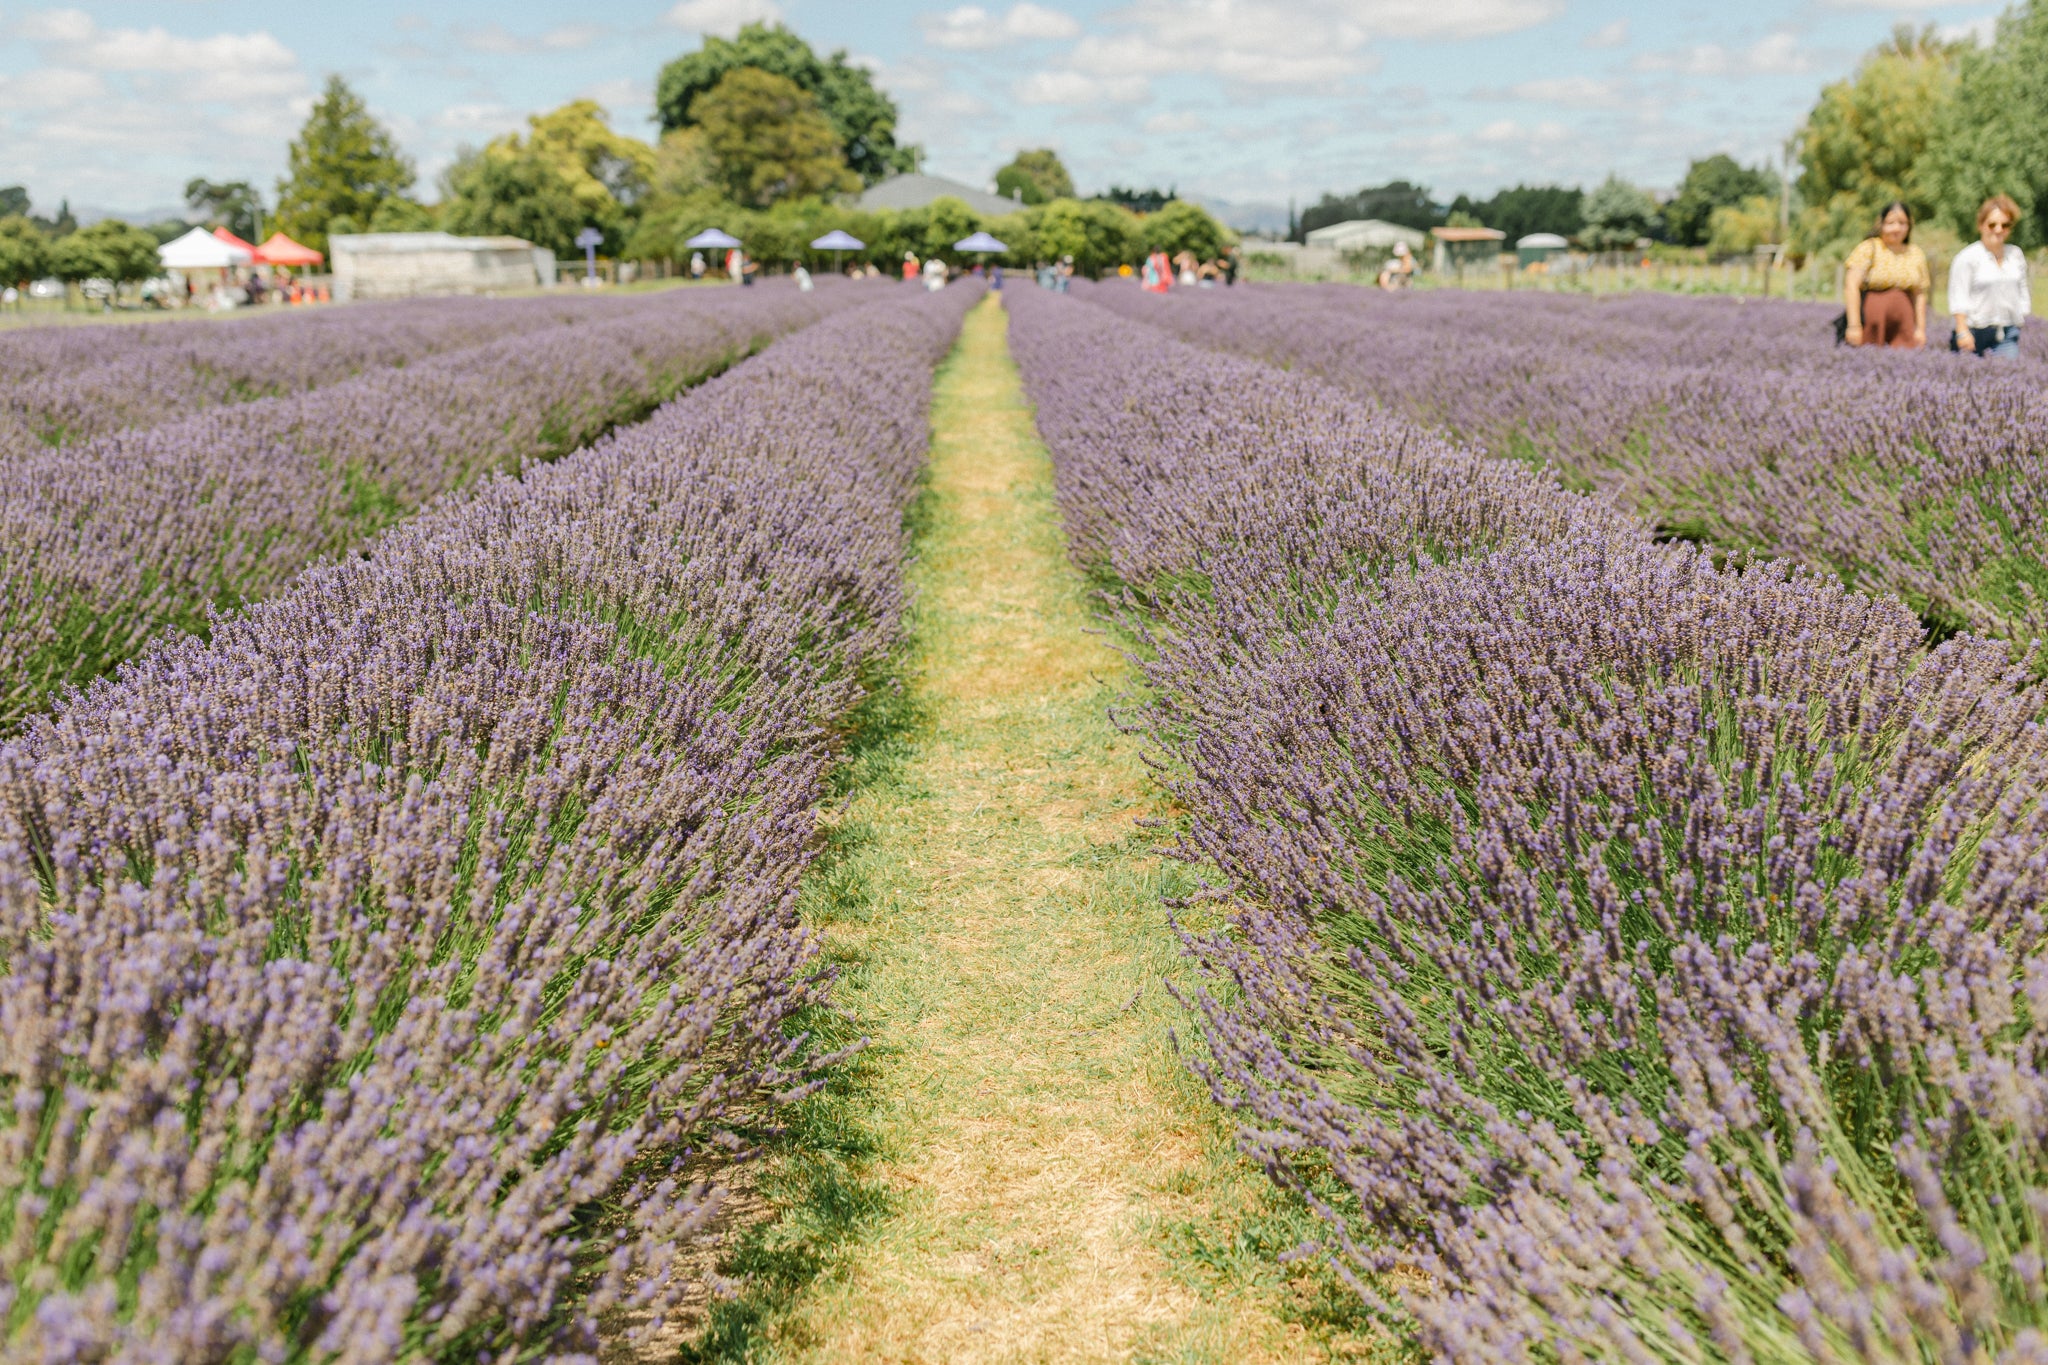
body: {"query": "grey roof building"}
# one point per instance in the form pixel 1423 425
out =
pixel 915 190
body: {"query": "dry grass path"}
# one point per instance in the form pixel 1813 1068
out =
pixel 1019 1168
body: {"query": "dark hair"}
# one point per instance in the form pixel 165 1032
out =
pixel 1886 212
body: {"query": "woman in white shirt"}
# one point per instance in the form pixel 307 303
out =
pixel 1987 285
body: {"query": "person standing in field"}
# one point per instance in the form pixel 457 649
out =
pixel 1987 285
pixel 909 265
pixel 934 275
pixel 696 265
pixel 1884 295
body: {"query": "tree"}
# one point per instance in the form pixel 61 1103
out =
pixel 1863 142
pixel 232 204
pixel 343 164
pixel 1715 182
pixel 1736 229
pixel 1992 137
pixel 1135 199
pixel 509 189
pixel 1099 236
pixel 108 250
pixel 1617 214
pixel 13 201
pixel 24 255
pixel 400 214
pixel 1182 226
pixel 769 140
pixel 1535 208
pixel 1397 201
pixel 608 173
pixel 1036 177
pixel 862 117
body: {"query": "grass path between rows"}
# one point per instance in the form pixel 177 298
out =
pixel 1019 1166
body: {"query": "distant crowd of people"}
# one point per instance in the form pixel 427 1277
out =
pixel 1888 285
pixel 1160 273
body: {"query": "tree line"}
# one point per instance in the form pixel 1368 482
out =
pixel 1937 123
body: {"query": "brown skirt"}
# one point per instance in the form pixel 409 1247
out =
pixel 1888 318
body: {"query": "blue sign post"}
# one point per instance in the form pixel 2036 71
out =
pixel 589 239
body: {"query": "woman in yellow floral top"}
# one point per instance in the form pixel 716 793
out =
pixel 1885 292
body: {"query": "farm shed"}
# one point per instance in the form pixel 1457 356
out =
pixel 1538 247
pixel 1366 234
pixel 403 265
pixel 1460 247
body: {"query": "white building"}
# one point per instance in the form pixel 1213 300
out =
pixel 403 265
pixel 1366 234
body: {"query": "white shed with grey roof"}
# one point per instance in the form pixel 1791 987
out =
pixel 403 265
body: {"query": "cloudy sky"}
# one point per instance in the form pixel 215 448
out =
pixel 115 103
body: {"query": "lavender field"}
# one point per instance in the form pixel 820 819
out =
pixel 1632 953
pixel 354 953
pixel 605 829
pixel 1738 424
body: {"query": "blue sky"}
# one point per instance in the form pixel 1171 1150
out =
pixel 115 103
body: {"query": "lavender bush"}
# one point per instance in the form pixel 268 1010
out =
pixel 1741 424
pixel 1647 952
pixel 106 543
pixel 68 384
pixel 352 953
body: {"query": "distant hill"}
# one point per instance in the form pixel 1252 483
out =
pixel 1247 215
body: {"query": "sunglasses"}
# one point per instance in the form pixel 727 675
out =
pixel 1997 225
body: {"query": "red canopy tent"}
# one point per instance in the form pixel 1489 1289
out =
pixel 282 250
pixel 233 240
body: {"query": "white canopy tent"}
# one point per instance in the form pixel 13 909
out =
pixel 200 250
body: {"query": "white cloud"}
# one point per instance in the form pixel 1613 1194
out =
pixel 1608 35
pixel 1778 54
pixel 1298 43
pixel 1183 122
pixel 723 17
pixel 497 41
pixel 1979 31
pixel 1078 88
pixel 970 28
pixel 124 115
pixel 1570 92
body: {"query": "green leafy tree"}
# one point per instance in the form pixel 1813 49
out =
pixel 400 214
pixel 13 201
pixel 1528 208
pixel 1036 177
pixel 343 164
pixel 1182 226
pixel 63 225
pixel 1617 214
pixel 232 204
pixel 1397 201
pixel 862 116
pixel 24 255
pixel 510 189
pixel 1864 141
pixel 1136 200
pixel 610 173
pixel 1735 229
pixel 769 140
pixel 1099 236
pixel 108 250
pixel 1714 182
pixel 1992 137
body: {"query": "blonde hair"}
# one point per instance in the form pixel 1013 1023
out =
pixel 2002 203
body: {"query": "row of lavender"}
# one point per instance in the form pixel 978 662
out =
pixel 67 384
pixel 106 543
pixel 1648 953
pixel 1739 424
pixel 359 960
